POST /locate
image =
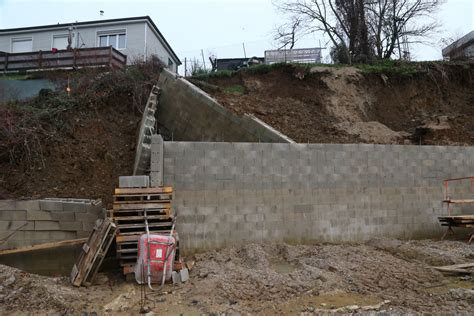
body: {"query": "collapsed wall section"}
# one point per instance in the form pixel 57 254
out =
pixel 231 193
pixel 31 222
pixel 189 114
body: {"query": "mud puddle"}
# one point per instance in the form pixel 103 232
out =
pixel 329 301
pixel 281 266
pixel 449 283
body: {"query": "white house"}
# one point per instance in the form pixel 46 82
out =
pixel 136 37
pixel 463 48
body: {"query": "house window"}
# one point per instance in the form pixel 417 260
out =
pixel 21 45
pixel 115 39
pixel 60 41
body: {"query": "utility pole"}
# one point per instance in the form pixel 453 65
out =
pixel 203 60
pixel 245 53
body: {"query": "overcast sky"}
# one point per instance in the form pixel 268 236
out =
pixel 218 27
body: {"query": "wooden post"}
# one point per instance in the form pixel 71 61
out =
pixel 110 57
pixel 203 60
pixel 74 65
pixel 40 59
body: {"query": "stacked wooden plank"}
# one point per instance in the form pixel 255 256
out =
pixel 464 221
pixel 93 253
pixel 457 220
pixel 133 210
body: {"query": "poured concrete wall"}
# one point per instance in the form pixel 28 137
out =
pixel 46 220
pixel 189 114
pixel 230 193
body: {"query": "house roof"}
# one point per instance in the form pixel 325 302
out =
pixel 86 23
pixel 461 43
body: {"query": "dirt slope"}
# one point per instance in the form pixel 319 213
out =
pixel 74 146
pixel 84 163
pixel 419 104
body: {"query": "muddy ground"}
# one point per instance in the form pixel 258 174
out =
pixel 376 277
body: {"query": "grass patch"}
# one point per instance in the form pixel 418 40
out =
pixel 215 74
pixel 390 67
pixel 236 89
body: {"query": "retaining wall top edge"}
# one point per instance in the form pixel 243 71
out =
pixel 337 145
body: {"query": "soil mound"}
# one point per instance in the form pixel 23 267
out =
pixel 60 145
pixel 419 103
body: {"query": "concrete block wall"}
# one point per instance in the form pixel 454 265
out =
pixel 46 220
pixel 230 193
pixel 190 114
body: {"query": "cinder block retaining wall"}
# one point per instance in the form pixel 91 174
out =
pixel 230 193
pixel 47 220
pixel 192 115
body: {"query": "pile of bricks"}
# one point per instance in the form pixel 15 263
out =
pixel 46 220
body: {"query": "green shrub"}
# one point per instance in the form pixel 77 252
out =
pixel 237 89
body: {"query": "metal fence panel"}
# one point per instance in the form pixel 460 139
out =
pixel 300 55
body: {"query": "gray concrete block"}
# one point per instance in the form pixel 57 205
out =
pixel 36 235
pixel 83 234
pixel 38 216
pixel 87 226
pixel 9 226
pixel 75 206
pixel 134 181
pixel 176 277
pixel 71 226
pixel 63 235
pixel 13 215
pixel 184 275
pixel 86 217
pixel 51 205
pixel 28 205
pixel 47 225
pixel 304 208
pixel 7 205
pixel 62 216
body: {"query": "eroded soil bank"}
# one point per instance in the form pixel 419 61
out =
pixel 415 103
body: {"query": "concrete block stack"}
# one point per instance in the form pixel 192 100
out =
pixel 47 220
pixel 147 129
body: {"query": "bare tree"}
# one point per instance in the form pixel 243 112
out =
pixel 316 16
pixel 361 27
pixel 287 34
pixel 392 20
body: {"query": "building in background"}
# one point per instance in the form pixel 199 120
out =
pixel 297 55
pixel 137 37
pixel 236 63
pixel 463 48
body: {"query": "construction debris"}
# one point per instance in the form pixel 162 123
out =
pixel 48 245
pixel 461 220
pixel 93 253
pixel 463 268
